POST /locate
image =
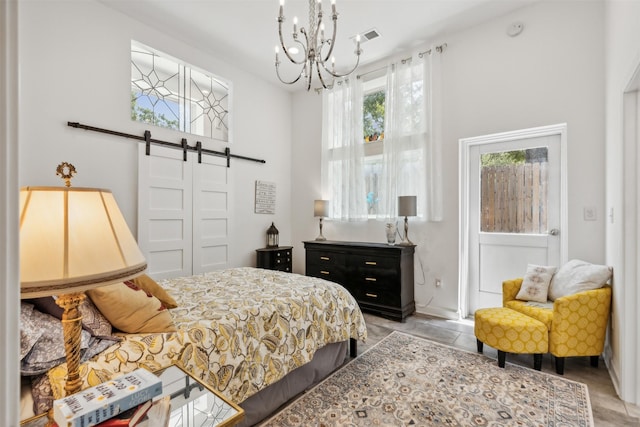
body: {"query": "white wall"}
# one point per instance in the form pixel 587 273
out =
pixel 623 59
pixel 552 73
pixel 76 67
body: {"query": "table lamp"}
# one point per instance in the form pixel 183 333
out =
pixel 71 240
pixel 321 210
pixel 406 208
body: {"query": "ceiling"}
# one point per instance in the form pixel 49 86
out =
pixel 245 32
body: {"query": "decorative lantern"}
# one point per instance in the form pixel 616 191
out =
pixel 272 237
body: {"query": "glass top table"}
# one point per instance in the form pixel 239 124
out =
pixel 185 402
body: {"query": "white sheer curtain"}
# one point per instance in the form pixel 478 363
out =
pixel 343 152
pixel 412 143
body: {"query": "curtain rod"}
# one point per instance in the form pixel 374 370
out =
pixel 181 146
pixel 438 49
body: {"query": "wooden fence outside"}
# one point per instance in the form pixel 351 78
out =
pixel 513 198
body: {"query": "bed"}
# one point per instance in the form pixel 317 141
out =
pixel 258 336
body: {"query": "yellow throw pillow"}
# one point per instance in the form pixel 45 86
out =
pixel 146 283
pixel 131 309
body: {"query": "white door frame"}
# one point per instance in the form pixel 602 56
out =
pixel 626 298
pixel 9 258
pixel 465 146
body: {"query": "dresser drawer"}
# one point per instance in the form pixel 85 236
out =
pixel 325 258
pixel 377 295
pixel 372 262
pixel 328 272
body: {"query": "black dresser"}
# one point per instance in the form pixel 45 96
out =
pixel 379 276
pixel 278 258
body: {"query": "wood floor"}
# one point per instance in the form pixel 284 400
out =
pixel 608 409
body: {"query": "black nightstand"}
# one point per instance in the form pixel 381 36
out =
pixel 279 258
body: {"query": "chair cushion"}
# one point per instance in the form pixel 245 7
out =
pixel 541 313
pixel 577 276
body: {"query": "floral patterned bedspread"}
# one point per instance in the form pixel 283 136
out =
pixel 239 329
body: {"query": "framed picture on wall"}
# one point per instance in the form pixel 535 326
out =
pixel 265 197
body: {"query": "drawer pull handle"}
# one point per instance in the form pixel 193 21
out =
pixel 371 263
pixel 370 279
pixel 371 295
pixel 324 272
pixel 324 258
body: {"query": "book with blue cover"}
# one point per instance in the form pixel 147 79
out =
pixel 99 403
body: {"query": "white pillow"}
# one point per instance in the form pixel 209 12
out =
pixel 578 276
pixel 535 283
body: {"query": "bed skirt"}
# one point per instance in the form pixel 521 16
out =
pixel 267 401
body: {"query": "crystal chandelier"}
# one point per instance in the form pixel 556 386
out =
pixel 317 50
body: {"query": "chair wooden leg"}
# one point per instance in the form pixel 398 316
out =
pixel 594 361
pixel 501 356
pixel 480 345
pixel 560 365
pixel 537 361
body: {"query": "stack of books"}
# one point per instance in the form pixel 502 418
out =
pixel 123 401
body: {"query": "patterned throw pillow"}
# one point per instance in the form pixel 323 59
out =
pixel 131 309
pixel 92 320
pixel 42 342
pixel 535 284
pixel 578 276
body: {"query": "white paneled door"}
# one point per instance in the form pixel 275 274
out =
pixel 512 216
pixel 182 212
pixel 210 219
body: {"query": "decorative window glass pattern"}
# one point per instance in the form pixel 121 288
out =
pixel 166 92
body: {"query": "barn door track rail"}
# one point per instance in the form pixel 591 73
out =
pixel 181 146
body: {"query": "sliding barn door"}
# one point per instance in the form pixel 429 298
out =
pixel 183 212
pixel 165 213
pixel 210 214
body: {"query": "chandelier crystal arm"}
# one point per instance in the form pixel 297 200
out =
pixel 334 74
pixel 324 85
pixel 332 41
pixel 285 81
pixel 295 37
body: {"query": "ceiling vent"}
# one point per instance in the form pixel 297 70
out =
pixel 367 35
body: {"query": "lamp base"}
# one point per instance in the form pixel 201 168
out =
pixel 320 236
pixel 405 238
pixel 72 332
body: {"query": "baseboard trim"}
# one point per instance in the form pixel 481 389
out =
pixel 442 312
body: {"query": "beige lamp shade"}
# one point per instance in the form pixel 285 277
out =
pixel 321 208
pixel 407 206
pixel 73 239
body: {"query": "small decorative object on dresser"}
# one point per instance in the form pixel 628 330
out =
pixel 275 258
pixel 378 275
pixel 272 236
pixel 390 229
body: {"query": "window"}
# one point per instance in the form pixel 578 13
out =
pixel 513 191
pixel 165 92
pixel 373 105
pixel 378 144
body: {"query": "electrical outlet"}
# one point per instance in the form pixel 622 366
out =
pixel 590 213
pixel 438 283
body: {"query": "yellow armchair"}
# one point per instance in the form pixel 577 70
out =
pixel 577 323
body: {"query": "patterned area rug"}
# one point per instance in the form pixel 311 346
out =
pixel 409 381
